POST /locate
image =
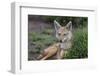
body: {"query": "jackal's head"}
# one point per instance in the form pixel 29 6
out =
pixel 63 33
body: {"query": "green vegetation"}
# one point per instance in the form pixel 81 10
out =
pixel 43 40
pixel 80 45
pixel 78 22
pixel 48 31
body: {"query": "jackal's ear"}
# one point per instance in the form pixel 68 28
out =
pixel 57 25
pixel 69 26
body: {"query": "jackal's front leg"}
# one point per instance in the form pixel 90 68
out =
pixel 60 54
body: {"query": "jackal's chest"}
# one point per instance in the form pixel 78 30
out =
pixel 65 45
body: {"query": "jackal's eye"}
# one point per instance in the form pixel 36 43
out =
pixel 59 33
pixel 65 34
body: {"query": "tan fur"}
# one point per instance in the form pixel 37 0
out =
pixel 63 34
pixel 50 51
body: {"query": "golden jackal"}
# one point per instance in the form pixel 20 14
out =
pixel 64 36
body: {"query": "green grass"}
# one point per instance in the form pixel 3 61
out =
pixel 43 40
pixel 79 46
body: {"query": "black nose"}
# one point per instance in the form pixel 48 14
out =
pixel 60 40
